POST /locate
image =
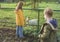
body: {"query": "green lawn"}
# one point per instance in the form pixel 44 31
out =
pixel 9 15
pixel 55 6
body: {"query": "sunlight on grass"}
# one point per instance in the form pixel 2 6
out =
pixel 9 15
pixel 54 6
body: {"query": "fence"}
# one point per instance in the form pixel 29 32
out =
pixel 5 23
pixel 38 16
pixel 38 13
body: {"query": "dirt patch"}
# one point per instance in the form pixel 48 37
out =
pixel 9 35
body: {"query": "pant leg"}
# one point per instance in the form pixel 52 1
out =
pixel 21 32
pixel 17 30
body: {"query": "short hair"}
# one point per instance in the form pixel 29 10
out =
pixel 48 12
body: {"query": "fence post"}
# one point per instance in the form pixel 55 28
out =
pixel 38 21
pixel 0 5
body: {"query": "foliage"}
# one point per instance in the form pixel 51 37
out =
pixel 29 30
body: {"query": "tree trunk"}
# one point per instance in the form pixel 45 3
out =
pixel 34 3
pixel 0 5
pixel 8 1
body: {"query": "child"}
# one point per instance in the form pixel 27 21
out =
pixel 48 13
pixel 48 29
pixel 19 20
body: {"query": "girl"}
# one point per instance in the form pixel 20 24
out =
pixel 19 20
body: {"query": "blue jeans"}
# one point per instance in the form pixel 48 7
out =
pixel 19 31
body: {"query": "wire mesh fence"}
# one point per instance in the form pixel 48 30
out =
pixel 5 22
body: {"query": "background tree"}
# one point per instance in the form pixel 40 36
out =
pixel 58 1
pixel 35 3
pixel 0 5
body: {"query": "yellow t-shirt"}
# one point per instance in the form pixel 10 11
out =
pixel 19 18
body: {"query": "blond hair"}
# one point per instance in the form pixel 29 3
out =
pixel 19 5
pixel 48 12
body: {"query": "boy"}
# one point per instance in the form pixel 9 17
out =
pixel 48 29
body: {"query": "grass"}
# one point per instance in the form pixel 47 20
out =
pixel 55 6
pixel 9 15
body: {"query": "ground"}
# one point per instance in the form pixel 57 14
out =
pixel 9 35
pixel 7 19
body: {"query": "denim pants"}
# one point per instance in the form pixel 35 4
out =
pixel 19 31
